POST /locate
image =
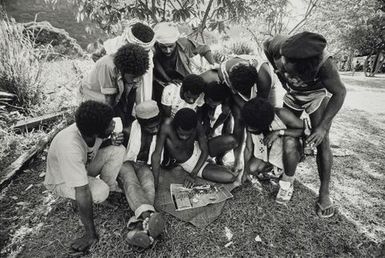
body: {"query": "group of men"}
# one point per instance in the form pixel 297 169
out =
pixel 143 109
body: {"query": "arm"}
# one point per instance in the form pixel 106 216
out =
pixel 222 117
pixel 195 48
pixel 264 81
pixel 155 158
pixel 84 201
pixel 332 82
pixel 202 140
pixel 166 110
pixel 239 134
pixel 249 149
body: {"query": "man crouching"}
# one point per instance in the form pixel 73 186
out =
pixel 186 142
pixel 77 156
pixel 136 177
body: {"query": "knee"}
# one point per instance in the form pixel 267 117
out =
pixel 290 144
pixel 256 166
pixel 99 191
pixel 231 142
pixel 118 151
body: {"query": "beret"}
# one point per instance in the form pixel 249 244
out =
pixel 303 45
pixel 147 109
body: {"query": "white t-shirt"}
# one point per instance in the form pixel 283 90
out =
pixel 68 158
pixel 171 97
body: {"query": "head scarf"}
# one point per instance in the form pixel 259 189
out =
pixel 130 38
pixel 166 33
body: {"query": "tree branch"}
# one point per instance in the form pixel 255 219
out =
pixel 309 9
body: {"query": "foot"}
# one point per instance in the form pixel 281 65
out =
pixel 325 207
pixel 154 224
pixel 285 192
pixel 84 243
pixel 139 238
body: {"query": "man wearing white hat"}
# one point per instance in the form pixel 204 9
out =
pixel 136 177
pixel 172 58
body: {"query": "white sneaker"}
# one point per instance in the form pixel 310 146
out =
pixel 285 192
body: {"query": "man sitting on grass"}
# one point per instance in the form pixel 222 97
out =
pixel 272 140
pixel 77 156
pixel 185 141
pixel 188 95
pixel 136 177
pixel 308 73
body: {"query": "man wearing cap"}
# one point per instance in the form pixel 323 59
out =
pixel 172 58
pixel 308 74
pixel 136 178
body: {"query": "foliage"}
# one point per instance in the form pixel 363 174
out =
pixel 20 65
pixel 241 48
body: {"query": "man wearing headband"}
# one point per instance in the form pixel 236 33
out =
pixel 135 33
pixel 307 73
pixel 172 59
pixel 246 78
pixel 114 80
pixel 136 177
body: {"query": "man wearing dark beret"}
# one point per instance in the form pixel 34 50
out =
pixel 309 76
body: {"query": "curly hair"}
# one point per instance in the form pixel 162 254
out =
pixel 132 59
pixel 185 118
pixel 142 32
pixel 243 77
pixel 258 113
pixel 194 84
pixel 217 92
pixel 93 117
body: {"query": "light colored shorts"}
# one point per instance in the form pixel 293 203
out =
pixel 309 101
pixel 189 165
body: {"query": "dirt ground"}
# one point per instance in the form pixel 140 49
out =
pixel 37 224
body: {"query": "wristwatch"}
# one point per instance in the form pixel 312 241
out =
pixel 281 132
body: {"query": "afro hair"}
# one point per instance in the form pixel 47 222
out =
pixel 132 59
pixel 243 77
pixel 194 84
pixel 217 92
pixel 142 32
pixel 185 119
pixel 93 117
pixel 258 114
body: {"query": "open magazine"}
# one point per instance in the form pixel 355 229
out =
pixel 198 196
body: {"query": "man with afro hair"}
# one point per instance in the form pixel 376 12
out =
pixel 272 143
pixel 185 141
pixel 138 33
pixel 83 165
pixel 246 78
pixel 114 80
pixel 188 95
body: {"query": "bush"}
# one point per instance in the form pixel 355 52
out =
pixel 241 48
pixel 20 65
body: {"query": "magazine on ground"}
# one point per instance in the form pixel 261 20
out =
pixel 198 196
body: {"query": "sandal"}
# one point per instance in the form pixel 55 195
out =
pixel 325 212
pixel 139 238
pixel 155 224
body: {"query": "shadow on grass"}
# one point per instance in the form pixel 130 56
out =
pixel 50 225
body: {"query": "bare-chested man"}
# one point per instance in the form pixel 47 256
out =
pixel 186 142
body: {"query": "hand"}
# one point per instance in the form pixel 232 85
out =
pixel 189 181
pixel 270 138
pixel 317 136
pixel 84 243
pixel 117 139
pixel 238 166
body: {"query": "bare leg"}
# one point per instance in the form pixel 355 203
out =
pixel 222 175
pixel 255 166
pixel 291 155
pixel 219 145
pixel 324 158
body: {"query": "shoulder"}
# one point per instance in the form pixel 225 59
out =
pixel 166 126
pixel 328 69
pixel 106 62
pixel 68 140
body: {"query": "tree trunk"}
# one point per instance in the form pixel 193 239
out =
pixel 366 64
pixel 380 58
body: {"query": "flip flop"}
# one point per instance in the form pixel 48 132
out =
pixel 155 224
pixel 323 213
pixel 139 238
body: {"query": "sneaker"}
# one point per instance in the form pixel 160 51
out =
pixel 285 192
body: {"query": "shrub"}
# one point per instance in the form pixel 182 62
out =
pixel 241 48
pixel 20 65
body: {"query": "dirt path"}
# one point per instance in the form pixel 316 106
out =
pixel 358 179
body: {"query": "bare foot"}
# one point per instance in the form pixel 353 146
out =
pixel 84 243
